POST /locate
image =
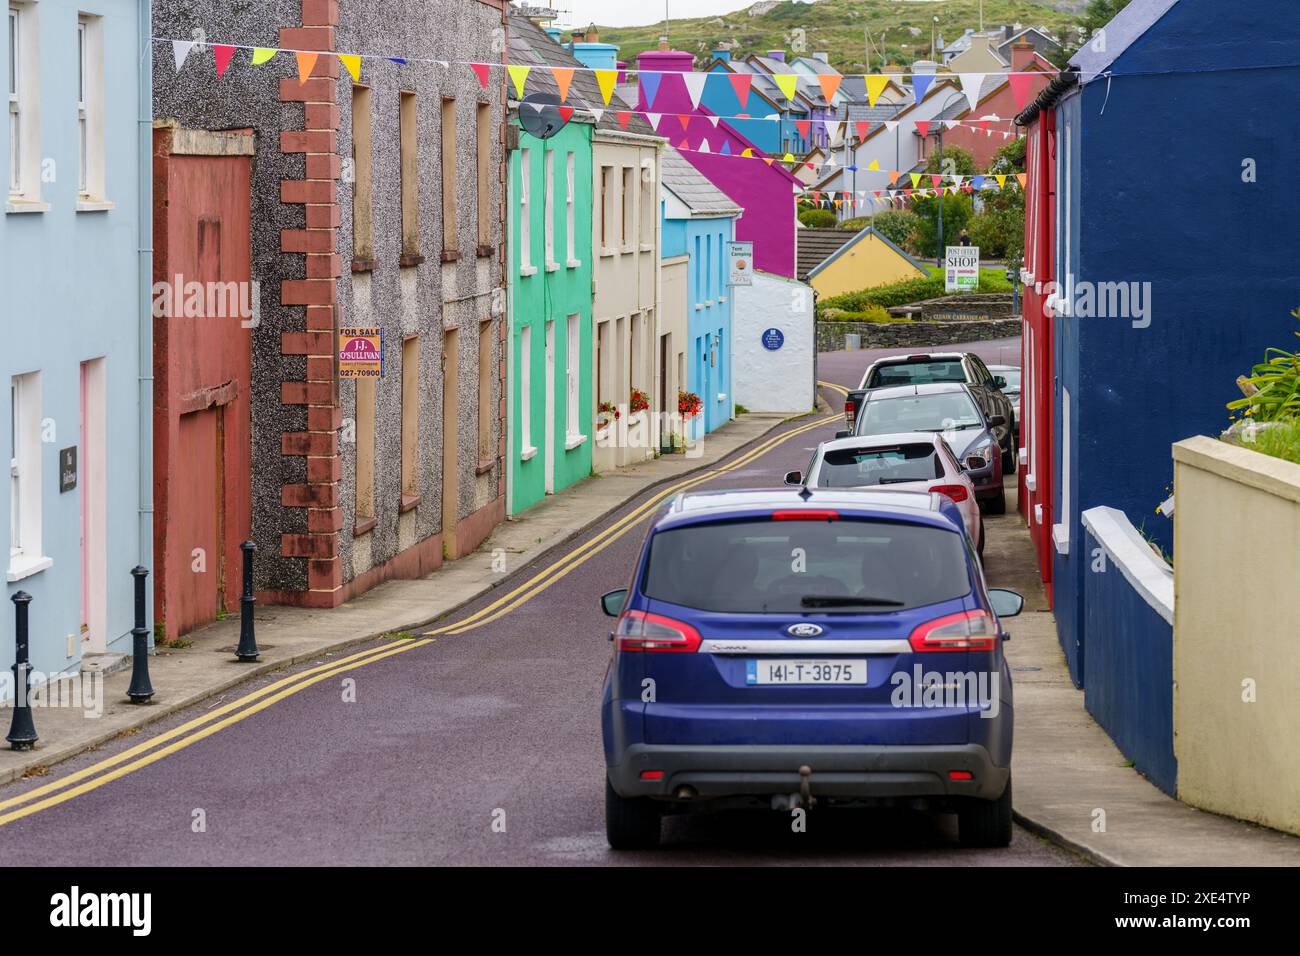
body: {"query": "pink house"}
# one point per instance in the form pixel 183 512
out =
pixel 765 192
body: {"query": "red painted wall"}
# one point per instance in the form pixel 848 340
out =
pixel 202 442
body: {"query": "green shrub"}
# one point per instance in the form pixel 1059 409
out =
pixel 1276 383
pixel 910 290
pixel 872 313
pixel 817 218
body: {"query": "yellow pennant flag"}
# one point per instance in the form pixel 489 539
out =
pixel 306 63
pixel 262 54
pixel 519 74
pixel 786 83
pixel 1002 181
pixel 606 79
pixel 874 165
pixel 353 64
pixel 787 158
pixel 875 86
pixel 563 79
pixel 916 178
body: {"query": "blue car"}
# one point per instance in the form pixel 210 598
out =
pixel 791 649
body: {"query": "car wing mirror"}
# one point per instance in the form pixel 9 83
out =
pixel 612 602
pixel 1005 603
pixel 997 421
pixel 975 463
pixel 794 478
pixel 999 382
pixel 843 434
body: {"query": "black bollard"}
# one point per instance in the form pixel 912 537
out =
pixel 141 689
pixel 247 650
pixel 22 732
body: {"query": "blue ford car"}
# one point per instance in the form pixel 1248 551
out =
pixel 785 649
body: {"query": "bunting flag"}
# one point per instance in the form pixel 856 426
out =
pixel 893 177
pixel 399 60
pixel 481 70
pixel 1022 84
pixel 352 63
pixel 804 126
pixel 786 83
pixel 740 82
pixel 597 112
pixel 1020 178
pixel 714 118
pixel 876 84
pixel 223 53
pixel 566 113
pixel 923 128
pixel 653 119
pixel 685 120
pixel 519 74
pixel 951 124
pixel 863 126
pixel 874 165
pixel 916 178
pixel 306 63
pixel 970 86
pixel 263 54
pixel 695 87
pixel 747 152
pixel 623 117
pixel 563 80
pixel 891 125
pixel 830 83
pixel 977 182
pixel 935 180
pixel 180 50
pixel 650 87
pixel 703 147
pixel 787 158
pixel 768 160
pixel 920 83
pixel 606 79
pixel 726 148
pixel 1002 181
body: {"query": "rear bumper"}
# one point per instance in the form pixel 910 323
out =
pixel 837 771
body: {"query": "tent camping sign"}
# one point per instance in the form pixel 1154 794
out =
pixel 741 258
pixel 361 352
pixel 961 271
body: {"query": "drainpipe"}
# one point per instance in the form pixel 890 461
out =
pixel 144 145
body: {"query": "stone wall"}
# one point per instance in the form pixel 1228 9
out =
pixel 880 335
pixel 959 308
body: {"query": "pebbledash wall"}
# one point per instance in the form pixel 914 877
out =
pixel 312 547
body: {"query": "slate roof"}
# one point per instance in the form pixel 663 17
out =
pixel 532 46
pixel 815 246
pixel 690 186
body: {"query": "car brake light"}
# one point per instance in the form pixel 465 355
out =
pixel 918 358
pixel 806 514
pixel 640 631
pixel 955 492
pixel 849 409
pixel 952 775
pixel 964 631
pixel 652 774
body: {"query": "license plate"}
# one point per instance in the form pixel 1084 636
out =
pixel 806 672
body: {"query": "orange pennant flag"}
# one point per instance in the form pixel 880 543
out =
pixel 563 78
pixel 893 177
pixel 1020 178
pixel 830 83
pixel 306 63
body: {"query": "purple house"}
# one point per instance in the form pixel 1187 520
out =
pixel 765 192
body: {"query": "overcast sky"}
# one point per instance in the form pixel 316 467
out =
pixel 624 13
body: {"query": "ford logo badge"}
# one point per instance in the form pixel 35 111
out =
pixel 804 630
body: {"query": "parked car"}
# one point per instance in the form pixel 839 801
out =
pixel 1011 375
pixel 933 367
pixel 908 461
pixel 744 677
pixel 948 409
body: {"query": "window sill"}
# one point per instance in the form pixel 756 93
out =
pixel 485 250
pixel 647 247
pixel 484 466
pixel 608 253
pixel 573 441
pixel 409 502
pixel 528 270
pixel 88 204
pixel 708 303
pixel 450 255
pixel 1061 538
pixel 410 259
pixel 699 306
pixel 23 566
pixel 1031 483
pixel 528 453
pixel 360 264
pixel 364 526
pixel 552 267
pixel 722 298
pixel 573 264
pixel 26 205
pixel 627 250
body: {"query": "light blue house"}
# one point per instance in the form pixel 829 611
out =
pixel 75 270
pixel 699 221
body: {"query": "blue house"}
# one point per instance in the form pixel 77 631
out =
pixel 76 365
pixel 699 221
pixel 1175 209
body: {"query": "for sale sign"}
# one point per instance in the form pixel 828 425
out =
pixel 962 269
pixel 361 352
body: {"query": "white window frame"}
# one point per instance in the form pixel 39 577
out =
pixel 526 266
pixel 527 449
pixel 83 164
pixel 570 220
pixel 572 381
pixel 548 208
pixel 25 557
pixel 24 193
pixel 1061 529
pixel 13 82
pixel 92 192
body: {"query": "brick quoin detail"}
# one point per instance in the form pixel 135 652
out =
pixel 314 299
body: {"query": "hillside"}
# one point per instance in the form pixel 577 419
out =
pixel 839 26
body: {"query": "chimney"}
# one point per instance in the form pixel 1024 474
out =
pixel 1022 54
pixel 778 55
pixel 822 55
pixel 593 36
pixel 721 54
pixel 663 45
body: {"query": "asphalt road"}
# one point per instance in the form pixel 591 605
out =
pixel 480 747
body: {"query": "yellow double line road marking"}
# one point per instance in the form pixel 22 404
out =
pixel 200 728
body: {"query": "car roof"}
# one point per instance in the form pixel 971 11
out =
pixel 905 391
pixel 1003 368
pixel 921 507
pixel 920 357
pixel 875 441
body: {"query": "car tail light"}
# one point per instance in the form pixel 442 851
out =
pixel 806 514
pixel 639 631
pixel 952 775
pixel 964 631
pixel 955 492
pixel 918 358
pixel 652 774
pixel 849 409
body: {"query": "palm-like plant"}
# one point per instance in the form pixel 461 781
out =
pixel 1276 382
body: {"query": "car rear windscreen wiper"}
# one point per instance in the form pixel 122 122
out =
pixel 834 600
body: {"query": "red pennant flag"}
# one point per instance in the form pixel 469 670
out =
pixel 623 117
pixel 803 126
pixel 1022 85
pixel 685 120
pixel 935 180
pixel 566 113
pixel 481 71
pixel 223 54
pixel 907 193
pixel 983 124
pixel 862 126
pixel 923 128
pixel 817 195
pixel 740 83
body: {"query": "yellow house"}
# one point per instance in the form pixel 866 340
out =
pixel 834 261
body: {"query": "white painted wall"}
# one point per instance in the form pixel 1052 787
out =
pixel 780 381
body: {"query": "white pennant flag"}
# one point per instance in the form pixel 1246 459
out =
pixel 830 127
pixel 704 146
pixel 597 112
pixel 180 50
pixel 970 85
pixel 695 87
pixel 951 124
pixel 830 162
pixel 653 119
pixel 891 125
pixel 714 120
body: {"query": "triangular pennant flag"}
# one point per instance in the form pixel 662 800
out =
pixel 685 120
pixel 817 195
pixel 520 75
pixel 874 165
pixel 684 144
pixel 180 50
pixel 830 162
pixel 1002 181
pixel 653 119
pixel 563 79
pixel 862 127
pixel 768 160
pixel 306 63
pixel 623 117
pixel 875 86
pixel 399 60
pixel 597 112
pixel 1020 178
pixel 746 153
pixel 352 63
pixel 786 83
pixel 223 52
pixel 704 146
pixel 935 180
pixel 481 70
pixel 893 177
pixel 951 124
pixel 916 178
pixel 920 83
pixel 970 85
pixel 832 127
pixel 891 125
pixel 830 83
pixel 262 54
pixel 695 87
pixel 650 86
pixel 714 120
pixel 606 79
pixel 726 148
pixel 804 126
pixel 1021 86
pixel 787 158
pixel 810 165
pixel 566 113
pixel 740 82
pixel 923 128
pixel 977 182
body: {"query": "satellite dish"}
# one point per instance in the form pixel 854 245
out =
pixel 541 115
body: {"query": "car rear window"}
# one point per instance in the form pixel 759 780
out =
pixel 917 373
pixel 935 412
pixel 782 567
pixel 862 467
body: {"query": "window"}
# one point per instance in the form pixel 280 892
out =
pixel 81 103
pixel 90 111
pixel 571 249
pixel 525 218
pixel 410 421
pixel 606 200
pixel 24 99
pixel 365 435
pixel 449 241
pixel 25 477
pixel 864 467
pixel 525 392
pixel 15 114
pixel 572 367
pixel 1061 530
pixel 708 268
pixel 363 218
pixel 483 126
pixel 649 210
pixel 407 119
pixel 485 416
pixel 629 207
pixel 548 206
